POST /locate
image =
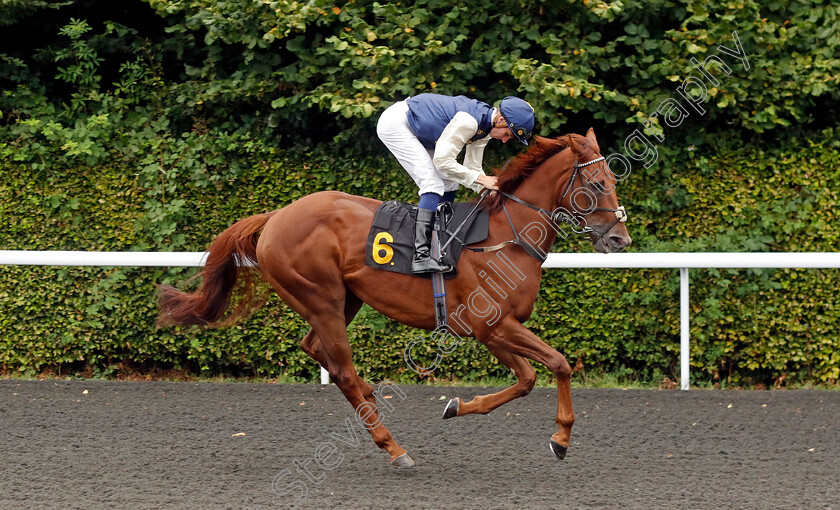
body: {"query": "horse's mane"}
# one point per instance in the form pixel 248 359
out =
pixel 515 171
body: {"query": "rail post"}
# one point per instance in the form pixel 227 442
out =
pixel 685 376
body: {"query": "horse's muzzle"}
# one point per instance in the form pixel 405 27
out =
pixel 610 242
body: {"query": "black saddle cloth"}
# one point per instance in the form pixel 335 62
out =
pixel 390 242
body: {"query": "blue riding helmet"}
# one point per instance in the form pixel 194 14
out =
pixel 519 116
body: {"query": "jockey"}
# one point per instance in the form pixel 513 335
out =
pixel 427 132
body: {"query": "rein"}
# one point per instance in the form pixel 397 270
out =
pixel 516 239
pixel 556 217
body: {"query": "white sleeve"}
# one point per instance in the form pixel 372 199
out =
pixel 474 157
pixel 455 136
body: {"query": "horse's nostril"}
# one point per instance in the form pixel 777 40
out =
pixel 618 241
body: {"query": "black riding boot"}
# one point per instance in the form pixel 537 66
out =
pixel 423 261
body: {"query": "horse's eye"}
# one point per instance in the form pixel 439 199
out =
pixel 598 186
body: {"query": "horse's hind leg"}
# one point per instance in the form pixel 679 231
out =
pixel 311 343
pixel 483 404
pixel 336 352
pixel 328 344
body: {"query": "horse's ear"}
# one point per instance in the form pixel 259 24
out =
pixel 572 144
pixel 590 135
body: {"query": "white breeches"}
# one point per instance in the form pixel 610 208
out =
pixel 394 131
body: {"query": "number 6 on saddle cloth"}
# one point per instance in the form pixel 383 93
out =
pixel 390 242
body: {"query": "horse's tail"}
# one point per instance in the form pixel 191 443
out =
pixel 232 256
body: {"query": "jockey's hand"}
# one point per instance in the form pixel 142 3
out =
pixel 488 181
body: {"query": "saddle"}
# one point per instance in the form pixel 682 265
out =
pixel 390 242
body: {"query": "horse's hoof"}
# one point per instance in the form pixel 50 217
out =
pixel 451 410
pixel 557 449
pixel 404 461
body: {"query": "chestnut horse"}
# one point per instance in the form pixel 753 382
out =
pixel 312 252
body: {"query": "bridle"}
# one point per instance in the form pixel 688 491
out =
pixel 575 219
pixel 620 213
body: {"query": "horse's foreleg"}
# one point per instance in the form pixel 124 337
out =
pixel 512 336
pixel 483 404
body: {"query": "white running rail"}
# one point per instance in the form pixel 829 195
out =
pixel 681 261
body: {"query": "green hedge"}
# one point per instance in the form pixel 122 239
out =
pixel 313 70
pixel 746 325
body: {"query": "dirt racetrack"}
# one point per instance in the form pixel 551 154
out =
pixel 132 445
